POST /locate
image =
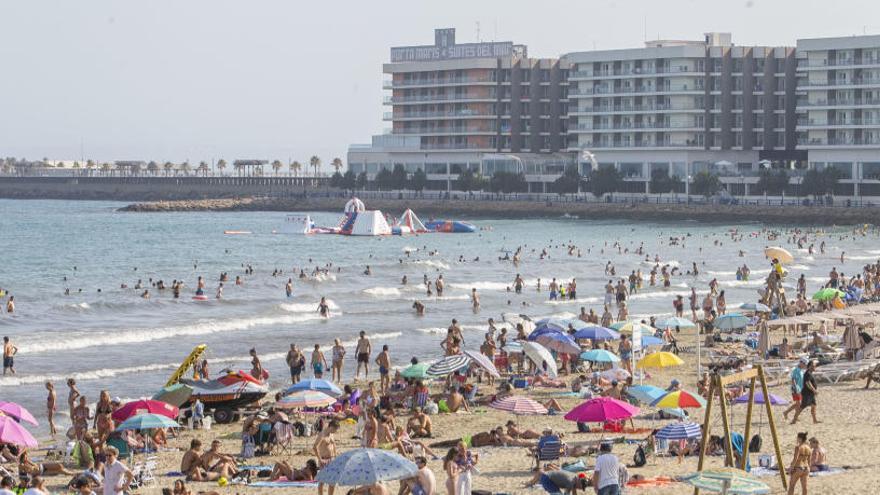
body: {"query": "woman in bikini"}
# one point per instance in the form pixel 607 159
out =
pixel 81 417
pixel 284 469
pixel 800 464
pixel 103 421
pixel 27 466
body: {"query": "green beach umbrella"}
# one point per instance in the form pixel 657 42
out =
pixel 176 394
pixel 828 294
pixel 726 481
pixel 417 371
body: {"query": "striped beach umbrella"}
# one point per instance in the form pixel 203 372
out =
pixel 305 398
pixel 318 384
pixel 680 398
pixel 519 405
pixel 449 364
pixel 483 362
pixel 726 481
pixel 679 431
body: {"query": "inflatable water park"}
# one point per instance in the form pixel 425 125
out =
pixel 358 220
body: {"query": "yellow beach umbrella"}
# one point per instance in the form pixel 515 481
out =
pixel 779 253
pixel 659 360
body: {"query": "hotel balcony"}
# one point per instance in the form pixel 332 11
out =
pixel 434 115
pixel 843 83
pixel 819 104
pixel 417 99
pixel 586 75
pixel 445 81
pixel 648 108
pixel 804 64
pixel 834 123
pixel 839 142
pixel 587 93
pixel 635 126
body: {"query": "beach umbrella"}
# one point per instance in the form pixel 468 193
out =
pixel 659 360
pixel 142 406
pixel 483 362
pixel 519 405
pixel 18 412
pixel 544 330
pixel 828 294
pixel 13 433
pixel 600 356
pixel 775 400
pixel 679 431
pixel 325 386
pixel 560 323
pixel 628 327
pixel 514 346
pixel 147 421
pixel 851 339
pixel 681 399
pixel 618 374
pixel 595 332
pixel 540 355
pixel 559 342
pixel 366 467
pixel 305 398
pixel 602 409
pixel 757 307
pixel 417 371
pixel 176 394
pixel 779 253
pixel 726 481
pixel 731 321
pixel 649 340
pixel 677 412
pixel 645 394
pixel 676 321
pixel 449 364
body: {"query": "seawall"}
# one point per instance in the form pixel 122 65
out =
pixel 804 215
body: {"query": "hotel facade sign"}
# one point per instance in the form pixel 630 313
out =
pixel 444 48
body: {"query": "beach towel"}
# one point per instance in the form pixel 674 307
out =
pixel 762 471
pixel 650 482
pixel 284 484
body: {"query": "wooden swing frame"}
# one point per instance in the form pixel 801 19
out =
pixel 716 387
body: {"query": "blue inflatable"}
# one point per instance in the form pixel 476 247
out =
pixel 450 226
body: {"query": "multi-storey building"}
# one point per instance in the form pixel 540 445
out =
pixel 451 104
pixel 679 107
pixel 684 106
pixel 839 108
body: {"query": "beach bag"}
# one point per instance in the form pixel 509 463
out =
pixel 247 447
pixel 639 458
pixel 755 444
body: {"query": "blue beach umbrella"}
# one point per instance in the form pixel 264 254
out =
pixel 595 332
pixel 675 321
pixel 558 342
pixel 147 421
pixel 544 330
pixel 325 386
pixel 679 431
pixel 366 467
pixel 731 321
pixel 645 394
pixel 600 356
pixel 649 340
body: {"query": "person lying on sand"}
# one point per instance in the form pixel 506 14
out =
pixel 285 470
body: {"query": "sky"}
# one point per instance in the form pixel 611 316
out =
pixel 172 80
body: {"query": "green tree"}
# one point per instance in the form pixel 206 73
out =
pixel 276 166
pixel 349 180
pixel 705 184
pixel 399 176
pixel 221 166
pixel 336 164
pixel 661 182
pixel 361 181
pixel 295 167
pixel 418 180
pixel 568 182
pixel 385 180
pixel 508 182
pixel 820 182
pixel 604 180
pixel 336 180
pixel 772 182
pixel 469 181
pixel 315 163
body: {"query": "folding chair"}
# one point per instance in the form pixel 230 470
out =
pixel 144 472
pixel 284 433
pixel 548 449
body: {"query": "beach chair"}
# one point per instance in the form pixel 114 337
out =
pixel 144 472
pixel 284 433
pixel 122 446
pixel 548 449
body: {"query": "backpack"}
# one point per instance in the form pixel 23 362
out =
pixel 639 458
pixel 755 443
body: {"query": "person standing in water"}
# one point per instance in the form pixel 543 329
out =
pixel 288 289
pixel 9 352
pixel 51 407
pixel 475 299
pixel 383 360
pixel 324 308
pixel 318 362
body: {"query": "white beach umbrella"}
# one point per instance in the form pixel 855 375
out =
pixel 539 354
pixel 483 362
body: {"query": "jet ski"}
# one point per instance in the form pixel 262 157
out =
pixel 227 393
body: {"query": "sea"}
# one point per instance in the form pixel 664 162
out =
pixel 109 338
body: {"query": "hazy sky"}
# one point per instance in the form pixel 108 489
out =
pixel 205 79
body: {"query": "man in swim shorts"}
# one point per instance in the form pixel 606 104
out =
pixel 383 360
pixel 362 352
pixel 9 352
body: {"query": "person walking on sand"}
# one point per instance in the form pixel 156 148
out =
pixel 796 385
pixel 362 353
pixel 800 464
pixel 808 394
pixel 338 355
pixel 51 407
pixel 383 360
pixel 9 352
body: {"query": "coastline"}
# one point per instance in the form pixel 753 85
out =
pixel 710 213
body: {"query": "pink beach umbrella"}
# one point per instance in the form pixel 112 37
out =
pixel 142 406
pixel 12 432
pixel 18 412
pixel 602 409
pixel 519 405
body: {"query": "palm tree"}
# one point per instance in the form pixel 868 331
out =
pixel 336 164
pixel 106 168
pixel 295 167
pixel 203 168
pixel 276 166
pixel 90 165
pixel 153 168
pixel 315 163
pixel 221 166
pixel 76 166
pixel 168 166
pixel 185 167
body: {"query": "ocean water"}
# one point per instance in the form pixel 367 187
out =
pixel 113 339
